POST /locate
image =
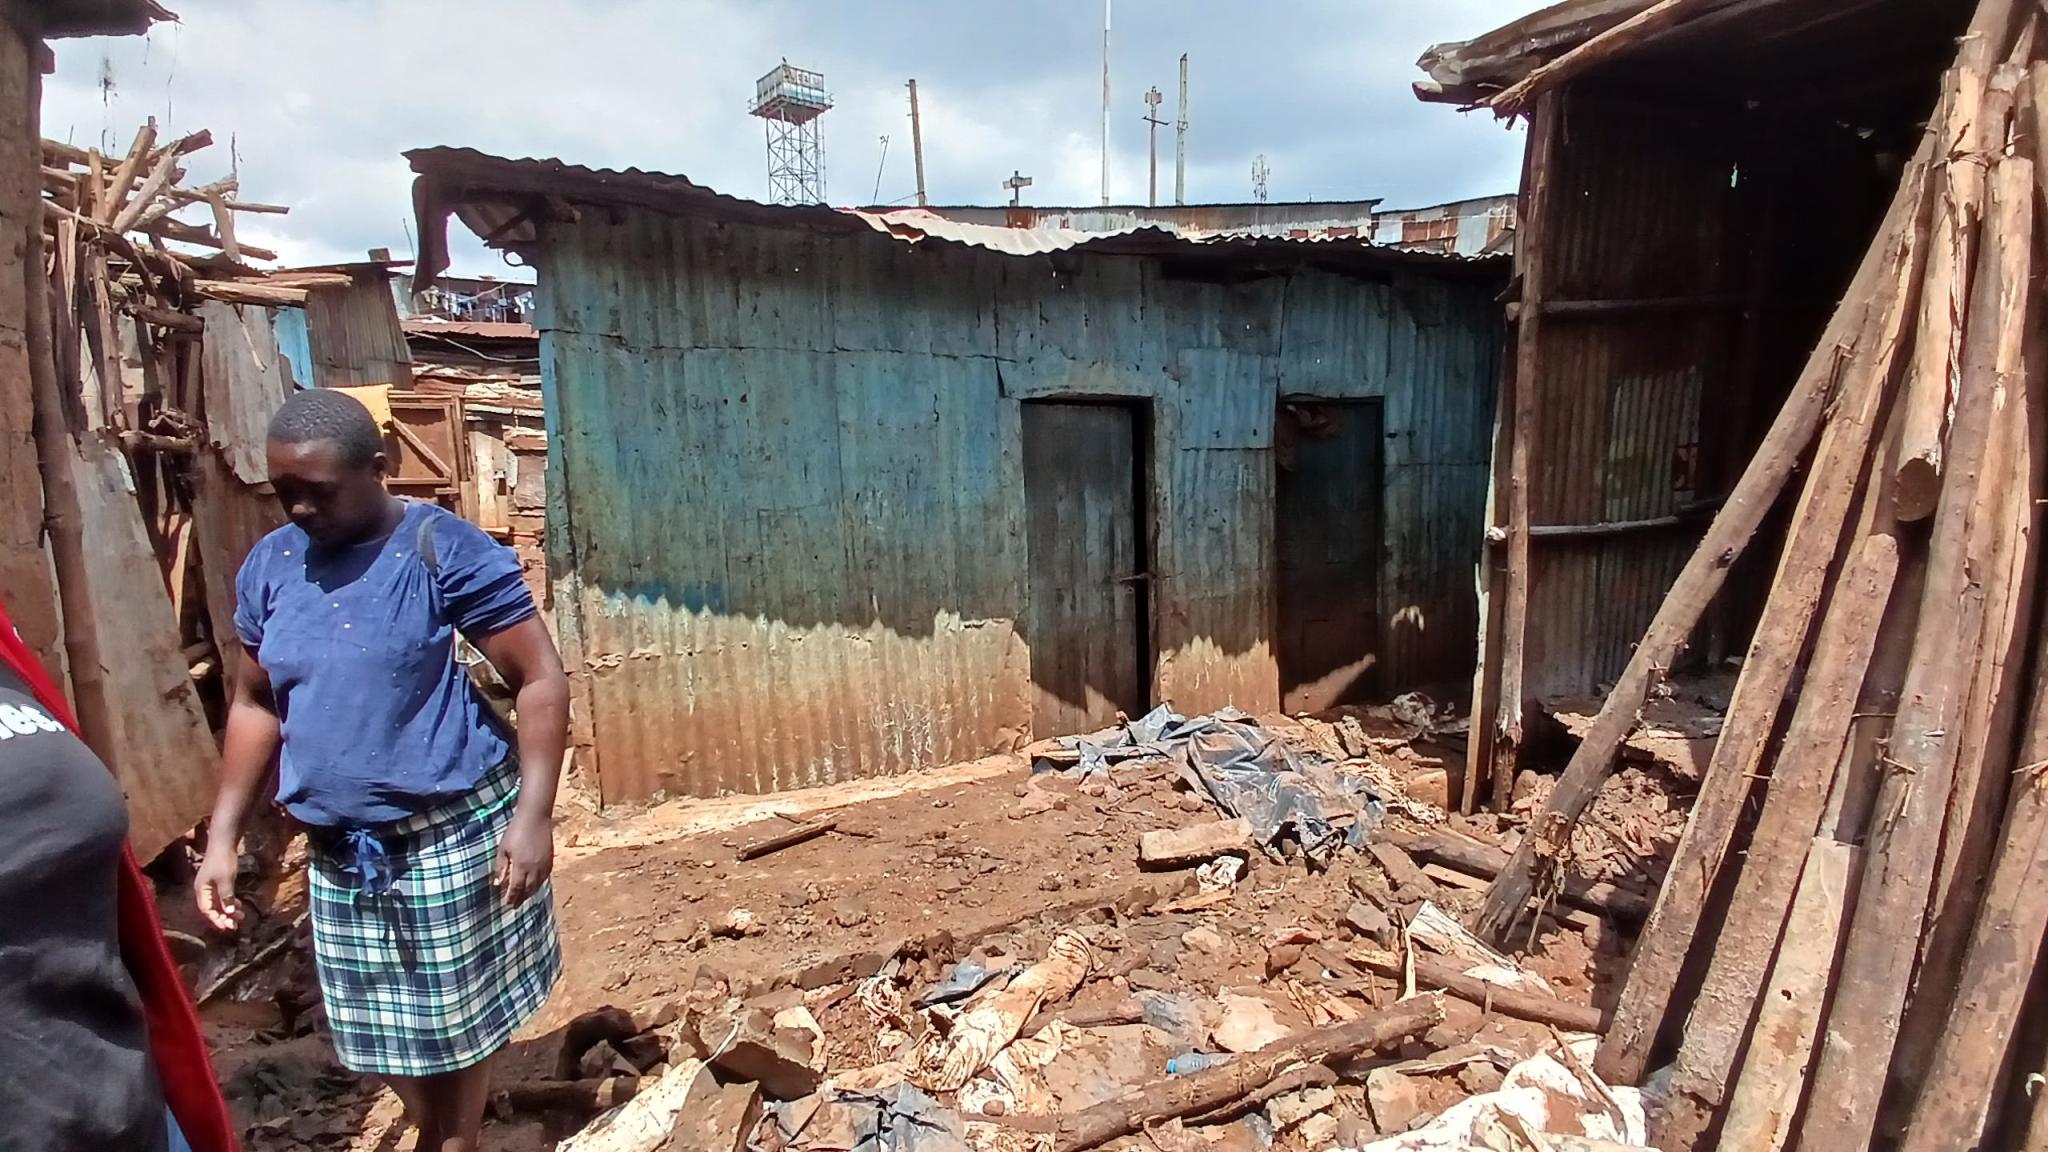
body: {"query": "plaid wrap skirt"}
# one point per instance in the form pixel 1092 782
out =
pixel 422 967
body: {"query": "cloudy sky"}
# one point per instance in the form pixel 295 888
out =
pixel 318 98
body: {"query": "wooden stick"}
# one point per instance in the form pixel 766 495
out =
pixel 1447 848
pixel 809 830
pixel 257 959
pixel 1214 1088
pixel 1805 407
pixel 1494 997
pixel 124 176
pixel 1766 1097
pixel 224 223
pixel 1904 846
pixel 165 318
pixel 1967 135
pixel 159 176
pixel 1595 52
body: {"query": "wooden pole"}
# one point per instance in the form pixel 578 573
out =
pixel 55 455
pixel 917 142
pixel 1884 939
pixel 1805 407
pixel 1449 849
pixel 1498 757
pixel 1213 1088
pixel 1451 978
pixel 1968 135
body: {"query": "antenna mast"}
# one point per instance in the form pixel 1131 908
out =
pixel 1152 123
pixel 1180 139
pixel 1105 102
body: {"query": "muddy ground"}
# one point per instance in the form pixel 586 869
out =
pixel 983 861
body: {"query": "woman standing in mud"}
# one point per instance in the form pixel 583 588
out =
pixel 430 819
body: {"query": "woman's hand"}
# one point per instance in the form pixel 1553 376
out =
pixel 213 887
pixel 526 856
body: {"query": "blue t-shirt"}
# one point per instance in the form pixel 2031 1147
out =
pixel 379 718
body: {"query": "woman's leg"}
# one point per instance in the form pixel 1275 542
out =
pixel 411 1092
pixel 457 1101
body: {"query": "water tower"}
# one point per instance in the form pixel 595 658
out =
pixel 789 101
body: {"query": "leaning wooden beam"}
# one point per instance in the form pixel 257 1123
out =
pixel 1904 845
pixel 1597 51
pixel 1244 1074
pixel 1805 407
pixel 1968 134
pixel 1775 654
pixel 1766 1097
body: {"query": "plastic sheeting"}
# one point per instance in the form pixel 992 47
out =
pixel 1295 801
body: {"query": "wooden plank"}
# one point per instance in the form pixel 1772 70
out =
pixel 158 743
pixel 116 194
pixel 224 223
pixel 159 176
pixel 249 292
pixel 413 440
pixel 1904 845
pixel 1509 707
pixel 1806 405
pixel 1718 1026
pixel 1766 1096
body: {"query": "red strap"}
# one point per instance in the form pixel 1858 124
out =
pixel 183 1064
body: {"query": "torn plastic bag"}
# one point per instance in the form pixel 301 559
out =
pixel 1249 772
pixel 966 978
pixel 900 1118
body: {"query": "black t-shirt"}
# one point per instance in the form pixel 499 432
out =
pixel 75 1071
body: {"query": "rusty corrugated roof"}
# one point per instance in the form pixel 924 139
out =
pixel 469 329
pixel 499 198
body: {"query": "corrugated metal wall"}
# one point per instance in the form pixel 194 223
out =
pixel 787 503
pixel 1641 211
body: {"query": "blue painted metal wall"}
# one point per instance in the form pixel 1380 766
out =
pixel 787 501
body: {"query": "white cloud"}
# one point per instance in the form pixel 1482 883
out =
pixel 320 97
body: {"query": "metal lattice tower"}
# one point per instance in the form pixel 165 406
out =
pixel 789 102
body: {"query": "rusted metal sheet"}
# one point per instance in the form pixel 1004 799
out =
pixel 1000 227
pixel 244 381
pixel 1479 227
pixel 1642 212
pixel 787 520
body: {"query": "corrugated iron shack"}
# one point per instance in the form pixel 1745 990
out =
pixel 835 494
pixel 1690 213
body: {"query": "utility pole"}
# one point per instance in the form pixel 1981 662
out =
pixel 1017 183
pixel 1105 103
pixel 1180 139
pixel 917 141
pixel 1152 121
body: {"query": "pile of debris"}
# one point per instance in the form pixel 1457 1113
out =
pixel 1857 972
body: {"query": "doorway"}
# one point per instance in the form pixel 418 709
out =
pixel 1329 494
pixel 1085 472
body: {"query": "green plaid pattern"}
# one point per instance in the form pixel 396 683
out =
pixel 436 974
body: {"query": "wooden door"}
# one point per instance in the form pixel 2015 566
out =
pixel 429 450
pixel 1327 540
pixel 1087 586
